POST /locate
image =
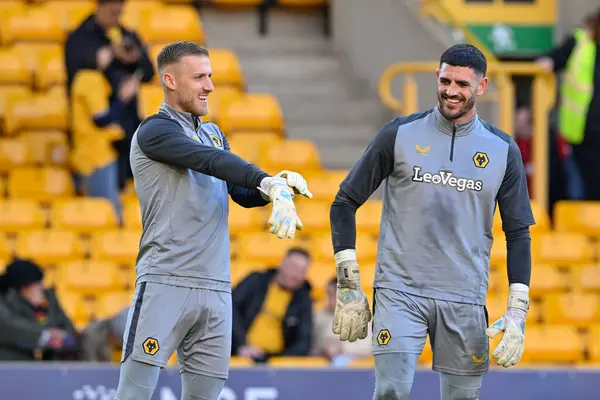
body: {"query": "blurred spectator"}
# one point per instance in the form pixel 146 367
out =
pixel 579 109
pixel 327 344
pixel 33 325
pixel 94 129
pixel 100 337
pixel 523 129
pixel 272 311
pixel 102 43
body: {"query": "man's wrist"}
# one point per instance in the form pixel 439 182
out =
pixel 518 297
pixel 347 269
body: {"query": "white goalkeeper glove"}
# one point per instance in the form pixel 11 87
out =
pixel 283 220
pixel 296 182
pixel 510 349
pixel 352 313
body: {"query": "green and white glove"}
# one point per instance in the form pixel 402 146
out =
pixel 283 220
pixel 512 345
pixel 296 182
pixel 352 313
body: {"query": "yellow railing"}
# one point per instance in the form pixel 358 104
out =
pixel 543 97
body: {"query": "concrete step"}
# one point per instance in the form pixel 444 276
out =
pixel 334 134
pixel 296 67
pixel 275 45
pixel 324 90
pixel 314 112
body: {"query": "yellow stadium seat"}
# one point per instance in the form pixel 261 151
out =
pixel 226 69
pixel 594 343
pixel 69 13
pixel 547 279
pixel 132 215
pixel 172 23
pixel 220 99
pixel 366 248
pixel 150 99
pixel 80 307
pixel 298 362
pixel 560 344
pixel 265 249
pixel 237 3
pixel 32 24
pixel 498 252
pixel 84 215
pixel 49 246
pixel 50 69
pixel 40 183
pixel 118 246
pixel 237 362
pixel 586 278
pixel 248 144
pixel 578 217
pixel 325 184
pixel 6 252
pixel 112 303
pixel 362 363
pixel 255 112
pixel 46 147
pixel 19 215
pixel 134 12
pixel 9 95
pixel 368 217
pixel 542 220
pixel 51 276
pixel 41 111
pixel 314 217
pixel 498 280
pixel 13 153
pixel 10 7
pixel 126 276
pixel 88 277
pixel 426 357
pixel 240 270
pixel 575 309
pixel 14 69
pixel 562 249
pixel 291 154
pixel 244 220
pixel 496 306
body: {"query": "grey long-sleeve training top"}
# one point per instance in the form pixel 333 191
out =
pixel 442 182
pixel 184 174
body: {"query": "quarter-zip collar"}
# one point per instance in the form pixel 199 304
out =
pixel 449 128
pixel 187 119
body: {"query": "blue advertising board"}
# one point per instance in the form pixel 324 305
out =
pixel 98 382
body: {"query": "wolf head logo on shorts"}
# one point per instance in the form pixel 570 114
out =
pixel 383 337
pixel 151 346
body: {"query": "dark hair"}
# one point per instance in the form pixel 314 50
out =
pixel 465 55
pixel 593 24
pixel 100 2
pixel 298 250
pixel 173 52
pixel 332 281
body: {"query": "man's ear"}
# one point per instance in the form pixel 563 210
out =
pixel 168 80
pixel 482 86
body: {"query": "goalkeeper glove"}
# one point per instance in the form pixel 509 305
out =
pixel 352 313
pixel 296 182
pixel 283 220
pixel 510 349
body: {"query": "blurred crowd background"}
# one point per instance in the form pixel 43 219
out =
pixel 309 79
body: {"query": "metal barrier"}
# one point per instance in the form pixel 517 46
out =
pixel 543 98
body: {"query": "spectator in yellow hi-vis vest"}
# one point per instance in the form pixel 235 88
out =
pixel 579 108
pixel 95 113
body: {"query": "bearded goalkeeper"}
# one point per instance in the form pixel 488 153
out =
pixel 444 171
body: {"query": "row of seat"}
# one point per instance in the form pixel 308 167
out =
pixel 50 22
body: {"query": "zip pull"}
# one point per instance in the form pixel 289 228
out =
pixel 452 143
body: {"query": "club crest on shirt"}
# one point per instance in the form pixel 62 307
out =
pixel 215 140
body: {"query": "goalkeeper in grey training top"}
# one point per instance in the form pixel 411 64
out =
pixel 184 176
pixel 443 172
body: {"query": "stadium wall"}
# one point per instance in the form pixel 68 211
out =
pixel 98 383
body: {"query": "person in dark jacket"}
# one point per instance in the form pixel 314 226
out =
pixel 100 42
pixel 272 311
pixel 33 325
